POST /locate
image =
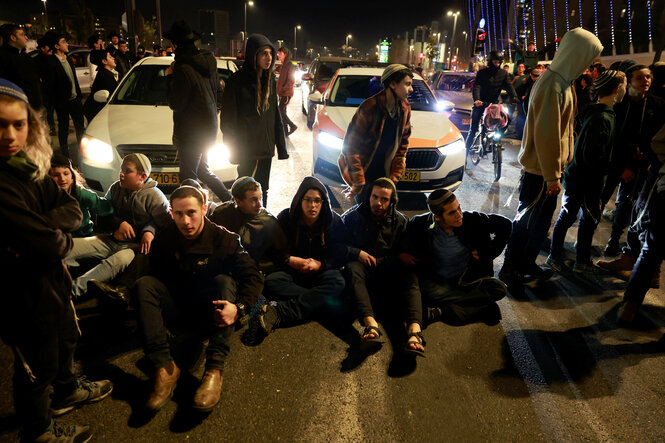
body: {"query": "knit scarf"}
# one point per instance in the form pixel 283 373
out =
pixel 21 165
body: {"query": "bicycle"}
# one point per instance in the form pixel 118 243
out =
pixel 488 137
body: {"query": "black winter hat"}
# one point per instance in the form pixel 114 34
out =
pixel 181 32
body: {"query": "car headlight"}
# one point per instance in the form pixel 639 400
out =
pixel 330 140
pixel 453 148
pixel 96 150
pixel 218 156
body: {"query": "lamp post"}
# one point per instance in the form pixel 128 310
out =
pixel 295 47
pixel 347 43
pixel 45 14
pixel 244 35
pixel 452 37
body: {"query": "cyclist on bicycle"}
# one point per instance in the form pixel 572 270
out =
pixel 490 81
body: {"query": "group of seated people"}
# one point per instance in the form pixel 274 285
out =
pixel 197 269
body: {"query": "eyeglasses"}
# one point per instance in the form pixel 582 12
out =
pixel 313 201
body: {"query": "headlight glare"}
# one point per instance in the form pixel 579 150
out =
pixel 453 148
pixel 96 150
pixel 218 156
pixel 330 140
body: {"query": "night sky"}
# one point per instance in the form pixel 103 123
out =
pixel 323 22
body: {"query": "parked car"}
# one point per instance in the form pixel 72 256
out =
pixel 455 86
pixel 85 71
pixel 435 158
pixel 137 118
pixel 318 75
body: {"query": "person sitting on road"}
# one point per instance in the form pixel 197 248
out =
pixel 454 253
pixel 70 180
pixel 201 283
pixel 309 281
pixel 487 90
pixel 377 139
pixel 140 210
pixel 377 232
pixel 585 176
pixel 259 230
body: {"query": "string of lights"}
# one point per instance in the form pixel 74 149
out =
pixel 524 5
pixel 487 14
pixel 510 56
pixel 501 25
pixel 517 28
pixel 595 17
pixel 649 17
pixel 612 20
pixel 533 22
pixel 556 34
pixel 568 17
pixel 542 4
pixel 630 25
pixel 579 13
pixel 472 16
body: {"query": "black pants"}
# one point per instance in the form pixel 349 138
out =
pixel 460 304
pixel 288 124
pixel 63 111
pixel 260 170
pixel 626 198
pixel 47 347
pixel 476 116
pixel 589 203
pixel 188 316
pixel 194 165
pixel 390 284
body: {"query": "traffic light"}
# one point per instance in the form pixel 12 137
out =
pixel 481 38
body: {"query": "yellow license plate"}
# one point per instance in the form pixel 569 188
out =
pixel 166 178
pixel 411 176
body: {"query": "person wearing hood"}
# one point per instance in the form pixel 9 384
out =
pixel 547 148
pixel 377 233
pixel 250 119
pixel 140 209
pixel 585 175
pixel 489 83
pixel 454 253
pixel 104 81
pixel 309 281
pixel 192 95
pixel 377 139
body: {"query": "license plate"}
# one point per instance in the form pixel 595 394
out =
pixel 466 121
pixel 166 178
pixel 411 176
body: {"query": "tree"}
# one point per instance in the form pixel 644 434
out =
pixel 432 49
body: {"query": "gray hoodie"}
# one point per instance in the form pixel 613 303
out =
pixel 548 142
pixel 146 209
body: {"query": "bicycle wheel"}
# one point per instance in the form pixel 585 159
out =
pixel 497 157
pixel 475 151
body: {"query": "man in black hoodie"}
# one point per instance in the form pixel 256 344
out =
pixel 309 280
pixel 192 94
pixel 377 232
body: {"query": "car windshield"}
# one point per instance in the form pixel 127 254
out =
pixel 352 90
pixel 450 82
pixel 146 85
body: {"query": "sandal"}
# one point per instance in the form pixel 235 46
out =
pixel 420 340
pixel 371 342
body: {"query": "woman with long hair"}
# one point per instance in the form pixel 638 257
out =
pixel 285 84
pixel 37 317
pixel 250 119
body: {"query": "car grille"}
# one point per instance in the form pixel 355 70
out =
pixel 422 159
pixel 159 155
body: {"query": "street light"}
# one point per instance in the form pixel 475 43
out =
pixel 45 14
pixel 250 3
pixel 452 38
pixel 295 49
pixel 347 43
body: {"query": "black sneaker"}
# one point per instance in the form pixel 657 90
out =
pixel 86 392
pixel 539 273
pixel 63 432
pixel 260 325
pixel 612 248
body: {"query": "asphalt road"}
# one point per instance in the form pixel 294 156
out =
pixel 557 367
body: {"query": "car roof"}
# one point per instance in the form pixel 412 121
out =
pixel 167 60
pixel 375 72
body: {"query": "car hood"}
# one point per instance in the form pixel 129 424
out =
pixel 125 124
pixel 428 129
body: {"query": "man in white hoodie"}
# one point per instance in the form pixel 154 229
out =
pixel 547 148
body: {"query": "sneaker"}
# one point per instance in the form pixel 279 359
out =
pixel 612 248
pixel 624 263
pixel 609 214
pixel 556 264
pixel 117 295
pixel 62 432
pixel 589 268
pixel 86 392
pixel 260 326
pixel 513 281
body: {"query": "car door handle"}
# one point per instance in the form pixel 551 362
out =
pixel 86 73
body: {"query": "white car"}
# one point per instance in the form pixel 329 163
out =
pixel 436 154
pixel 137 118
pixel 85 71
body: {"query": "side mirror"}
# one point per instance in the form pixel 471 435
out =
pixel 315 97
pixel 101 96
pixel 307 77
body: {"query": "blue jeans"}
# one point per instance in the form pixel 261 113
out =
pixel 300 296
pixel 589 219
pixel 530 226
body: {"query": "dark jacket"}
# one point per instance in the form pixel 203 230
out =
pixel 105 80
pixel 36 218
pixel 286 81
pixel 593 150
pixel 191 266
pixel 261 235
pixel 485 233
pixel 192 94
pixel 123 64
pixel 531 58
pixel 364 135
pixel 58 84
pixel 20 69
pixel 325 240
pixel 489 83
pixel 383 238
pixel 248 133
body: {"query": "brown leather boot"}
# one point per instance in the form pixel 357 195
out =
pixel 625 262
pixel 165 382
pixel 208 393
